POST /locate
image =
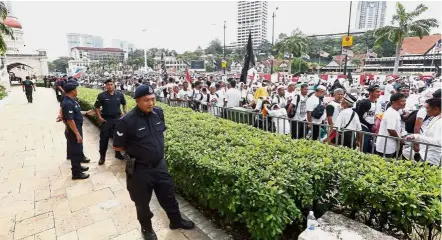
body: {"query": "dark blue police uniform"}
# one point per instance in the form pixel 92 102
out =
pixel 58 93
pixel 142 137
pixel 72 111
pixel 110 105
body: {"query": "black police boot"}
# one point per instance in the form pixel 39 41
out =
pixel 102 159
pixel 118 155
pixel 85 160
pixel 80 176
pixel 84 169
pixel 183 224
pixel 148 232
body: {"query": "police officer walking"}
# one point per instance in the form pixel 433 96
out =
pixel 73 120
pixel 141 134
pixel 27 86
pixel 110 102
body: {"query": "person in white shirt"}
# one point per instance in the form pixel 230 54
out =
pixel 389 89
pixel 390 126
pixel 334 107
pixel 279 119
pixel 367 109
pixel 315 103
pixel 348 120
pixel 432 134
pixel 220 92
pixel 299 102
pixel 280 97
pixel 184 95
pixel 233 96
pixel 290 93
pixel 211 101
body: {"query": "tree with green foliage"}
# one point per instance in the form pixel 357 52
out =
pixel 215 48
pixel 295 46
pixel 61 64
pixel 405 25
pixel 4 30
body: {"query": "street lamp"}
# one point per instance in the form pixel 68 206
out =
pixel 145 51
pixel 273 38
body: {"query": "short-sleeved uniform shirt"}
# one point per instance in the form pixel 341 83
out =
pixel 72 111
pixel 142 135
pixel 61 83
pixel 110 104
pixel 28 85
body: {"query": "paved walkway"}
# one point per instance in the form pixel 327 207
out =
pixel 38 199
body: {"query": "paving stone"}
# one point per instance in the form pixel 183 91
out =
pixel 40 201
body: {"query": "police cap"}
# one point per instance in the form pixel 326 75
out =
pixel 143 90
pixel 70 86
pixel 108 80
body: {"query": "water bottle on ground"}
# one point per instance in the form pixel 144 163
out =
pixel 311 221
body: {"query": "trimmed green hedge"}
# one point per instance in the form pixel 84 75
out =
pixel 266 181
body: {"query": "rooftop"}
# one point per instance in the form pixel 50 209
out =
pixel 417 46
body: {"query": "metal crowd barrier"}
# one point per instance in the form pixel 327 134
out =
pixel 273 124
pixel 279 125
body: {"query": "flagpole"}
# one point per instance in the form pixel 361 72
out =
pixel 145 53
pixel 224 49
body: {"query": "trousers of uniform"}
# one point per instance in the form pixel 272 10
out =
pixel 140 186
pixel 74 150
pixel 106 132
pixel 29 95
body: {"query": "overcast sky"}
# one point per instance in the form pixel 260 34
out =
pixel 177 25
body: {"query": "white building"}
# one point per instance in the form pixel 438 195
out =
pixel 252 16
pixel 172 63
pixel 124 45
pixel 20 60
pixel 83 40
pixel 370 15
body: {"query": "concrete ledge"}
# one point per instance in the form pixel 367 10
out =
pixel 337 227
pixel 206 226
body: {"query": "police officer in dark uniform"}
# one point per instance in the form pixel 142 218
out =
pixel 110 102
pixel 73 120
pixel 141 134
pixel 59 91
pixel 28 85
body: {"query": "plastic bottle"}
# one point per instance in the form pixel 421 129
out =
pixel 311 221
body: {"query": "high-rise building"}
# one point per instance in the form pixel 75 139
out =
pixel 124 45
pixel 371 14
pixel 252 16
pixel 83 40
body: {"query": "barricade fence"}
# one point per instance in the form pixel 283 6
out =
pixel 358 140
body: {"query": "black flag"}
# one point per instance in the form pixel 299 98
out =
pixel 437 69
pixel 249 59
pixel 163 68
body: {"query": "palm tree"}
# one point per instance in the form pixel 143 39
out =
pixel 295 46
pixel 405 25
pixel 4 30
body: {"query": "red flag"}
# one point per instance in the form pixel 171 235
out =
pixel 188 75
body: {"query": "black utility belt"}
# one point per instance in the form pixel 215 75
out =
pixel 147 165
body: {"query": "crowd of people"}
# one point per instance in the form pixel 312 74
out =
pixel 373 118
pixel 377 116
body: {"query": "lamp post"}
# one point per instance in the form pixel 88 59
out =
pixel 348 34
pixel 224 48
pixel 273 38
pixel 145 52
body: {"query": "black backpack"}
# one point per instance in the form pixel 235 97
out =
pixel 319 110
pixel 292 111
pixel 411 121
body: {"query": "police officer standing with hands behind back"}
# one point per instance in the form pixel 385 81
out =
pixel 109 101
pixel 73 119
pixel 141 134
